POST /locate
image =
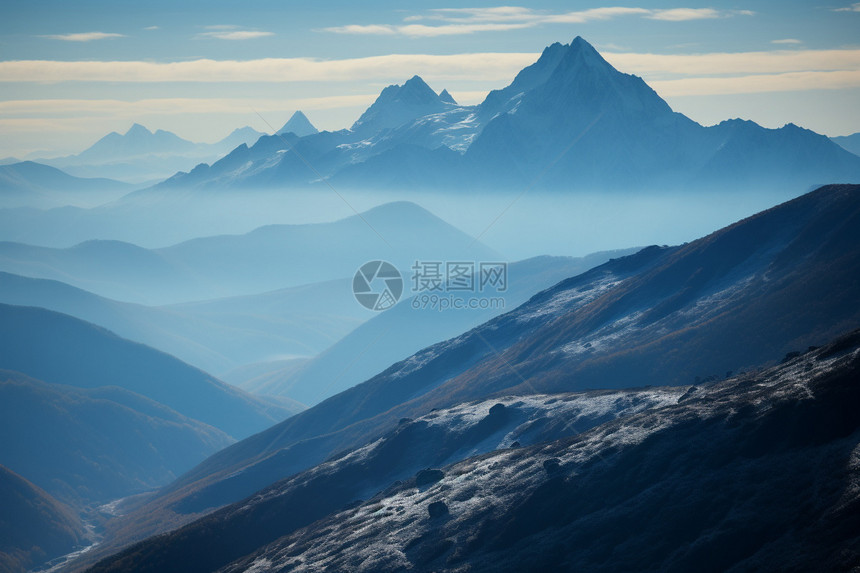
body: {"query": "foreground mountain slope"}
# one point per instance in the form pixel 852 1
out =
pixel 59 349
pixel 431 441
pixel 760 472
pixel 34 527
pixel 96 444
pixel 664 315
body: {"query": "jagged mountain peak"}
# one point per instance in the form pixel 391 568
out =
pixel 399 104
pixel 530 77
pixel 299 124
pixel 582 53
pixel 414 91
pixel 137 130
pixel 447 97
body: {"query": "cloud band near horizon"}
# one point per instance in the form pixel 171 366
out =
pixel 747 72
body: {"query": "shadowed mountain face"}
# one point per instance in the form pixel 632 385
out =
pixel 431 441
pixel 662 316
pixel 96 444
pixel 60 349
pixel 756 473
pixel 34 527
pixel 699 478
pixel 215 335
pixel 568 122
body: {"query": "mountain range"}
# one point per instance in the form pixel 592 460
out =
pixel 570 121
pixel 674 408
pixel 683 316
pixel 848 142
pixel 30 184
pixel 215 335
pixel 268 258
pixel 140 155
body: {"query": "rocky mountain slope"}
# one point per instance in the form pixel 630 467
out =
pixel 680 315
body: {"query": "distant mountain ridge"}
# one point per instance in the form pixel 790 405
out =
pixel 31 184
pixel 300 321
pixel 848 142
pixel 570 121
pixel 298 124
pixel 249 263
pixel 60 349
pixel 140 155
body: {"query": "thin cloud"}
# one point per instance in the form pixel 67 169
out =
pixel 853 8
pixel 22 110
pixel 421 30
pixel 424 31
pixel 475 66
pixel 458 21
pixel 786 41
pixel 684 14
pixel 235 34
pixel 492 14
pixel 372 29
pixel 772 62
pixel 152 28
pixel 764 83
pixel 83 36
pixel 689 74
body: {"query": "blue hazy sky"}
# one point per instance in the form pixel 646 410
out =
pixel 73 71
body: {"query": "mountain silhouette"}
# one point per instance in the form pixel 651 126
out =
pixel 569 122
pixel 299 125
pixel 59 349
